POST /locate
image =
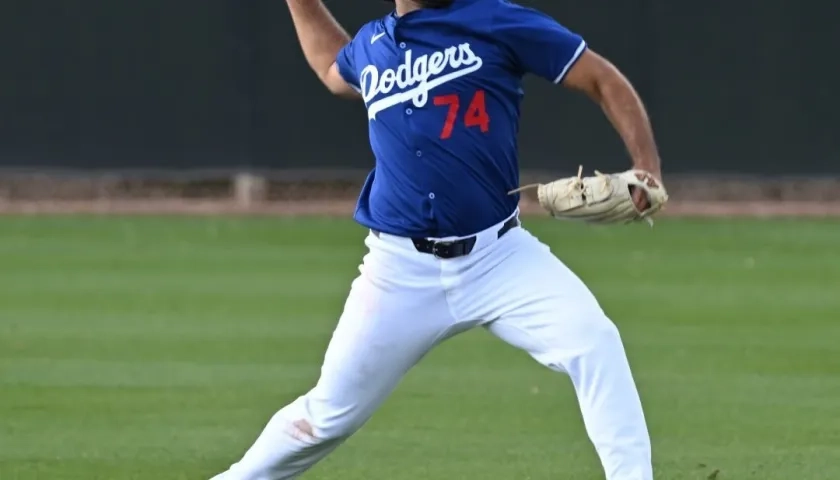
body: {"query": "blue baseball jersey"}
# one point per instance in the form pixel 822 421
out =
pixel 443 90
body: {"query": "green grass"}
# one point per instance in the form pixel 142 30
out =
pixel 156 348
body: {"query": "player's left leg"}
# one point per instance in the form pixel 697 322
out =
pixel 537 304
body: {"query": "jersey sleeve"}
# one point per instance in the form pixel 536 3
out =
pixel 346 63
pixel 539 44
pixel 346 58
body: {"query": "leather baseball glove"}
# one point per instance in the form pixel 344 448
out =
pixel 601 198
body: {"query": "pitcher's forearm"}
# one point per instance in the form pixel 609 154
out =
pixel 608 87
pixel 627 113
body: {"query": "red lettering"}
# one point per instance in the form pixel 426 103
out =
pixel 453 102
pixel 475 116
pixel 477 113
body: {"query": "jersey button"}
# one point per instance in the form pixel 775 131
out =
pixel 408 111
pixel 419 153
pixel 402 45
pixel 432 196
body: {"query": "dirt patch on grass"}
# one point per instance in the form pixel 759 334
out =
pixel 287 196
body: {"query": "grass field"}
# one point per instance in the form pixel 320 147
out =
pixel 156 348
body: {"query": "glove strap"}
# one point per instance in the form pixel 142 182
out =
pixel 524 187
pixel 535 185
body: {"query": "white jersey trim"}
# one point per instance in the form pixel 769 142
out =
pixel 571 62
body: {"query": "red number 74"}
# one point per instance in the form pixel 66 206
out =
pixel 476 115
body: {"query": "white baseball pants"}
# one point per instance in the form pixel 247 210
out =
pixel 405 302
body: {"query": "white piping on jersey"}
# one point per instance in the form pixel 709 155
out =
pixel 571 62
pixel 410 73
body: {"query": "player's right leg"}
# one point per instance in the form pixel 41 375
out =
pixel 395 313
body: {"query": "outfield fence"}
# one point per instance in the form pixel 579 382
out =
pixel 208 105
pixel 733 87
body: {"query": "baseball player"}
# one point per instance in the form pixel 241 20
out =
pixel 441 81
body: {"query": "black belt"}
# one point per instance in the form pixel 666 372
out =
pixel 455 248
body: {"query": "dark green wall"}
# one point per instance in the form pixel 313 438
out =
pixel 738 86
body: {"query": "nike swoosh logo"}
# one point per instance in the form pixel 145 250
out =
pixel 376 37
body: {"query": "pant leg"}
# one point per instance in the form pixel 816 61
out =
pixel 385 329
pixel 549 312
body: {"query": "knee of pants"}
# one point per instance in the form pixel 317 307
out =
pixel 589 340
pixel 606 332
pixel 319 421
pixel 603 336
